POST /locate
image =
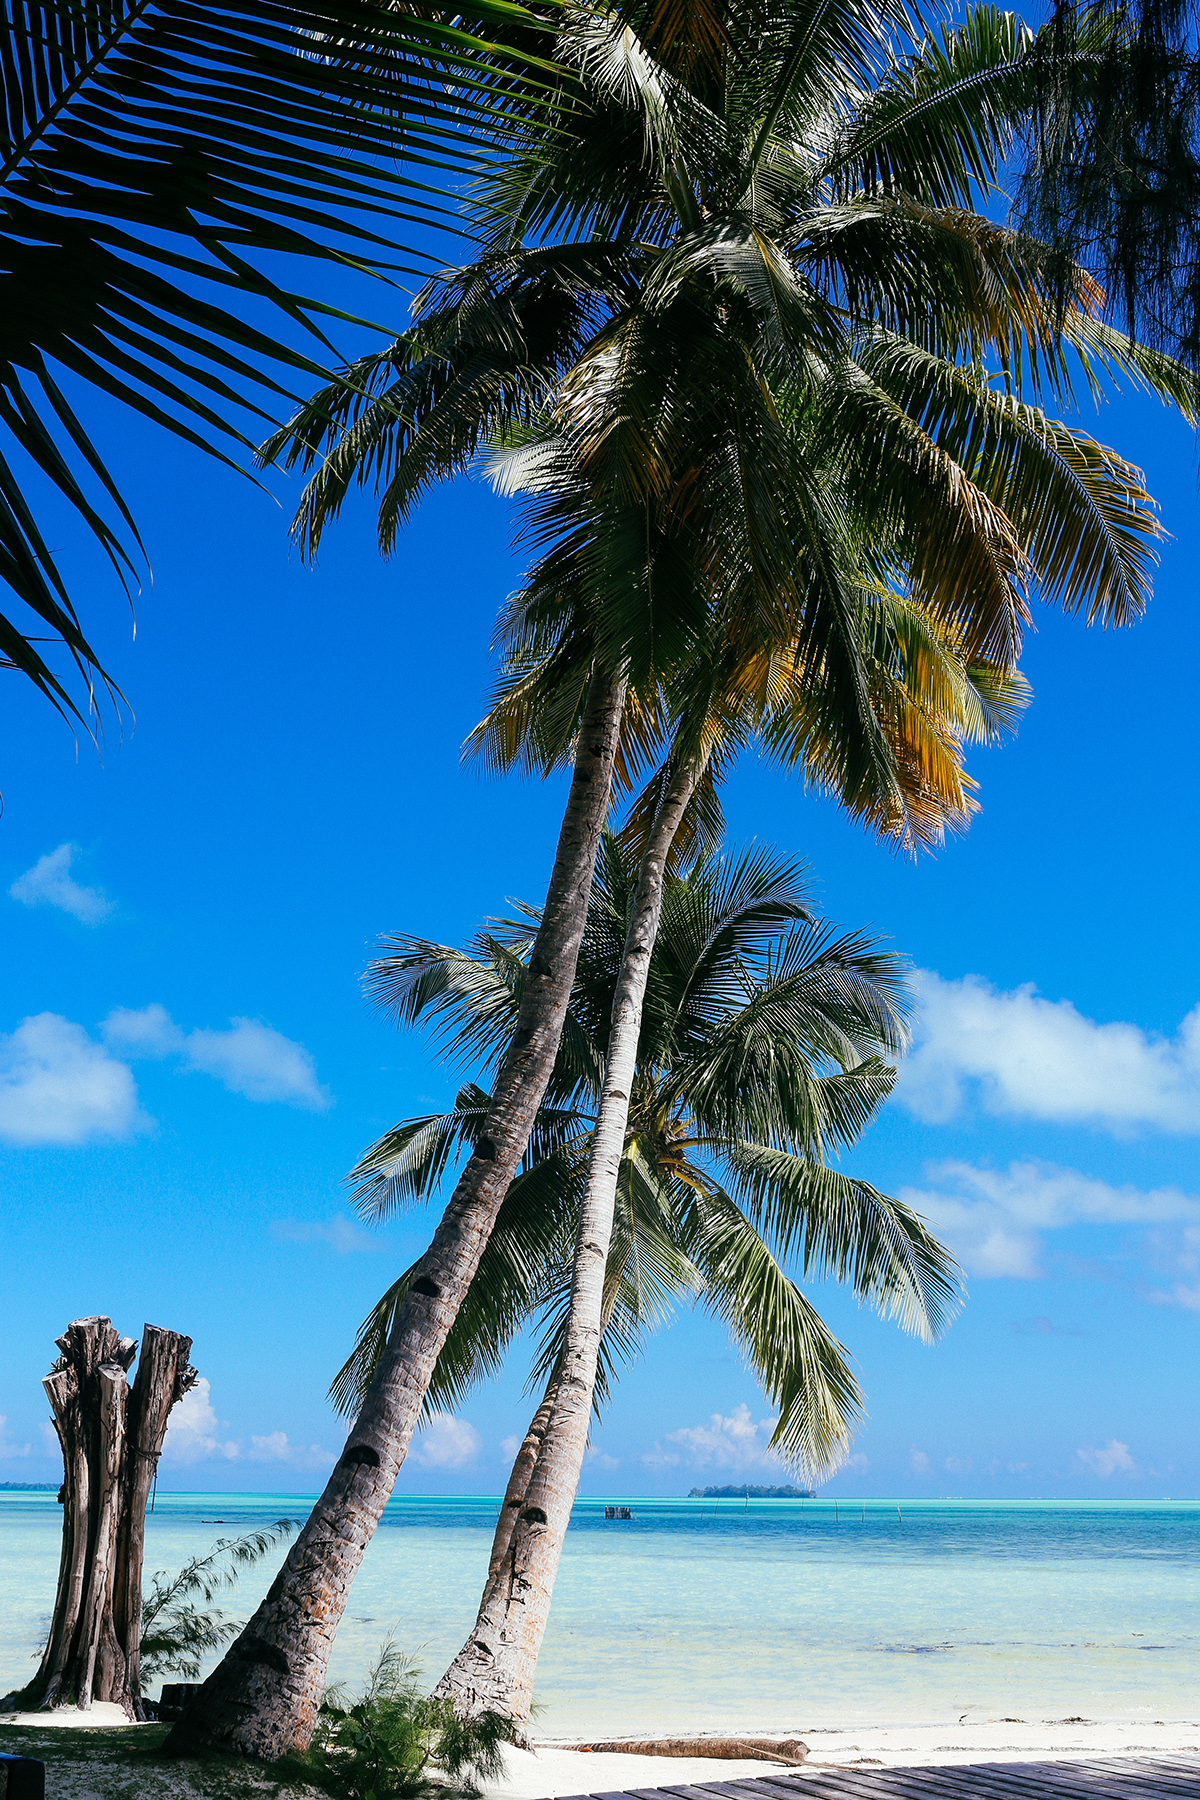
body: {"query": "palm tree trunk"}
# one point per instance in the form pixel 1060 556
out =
pixel 264 1697
pixel 494 1669
pixel 519 1479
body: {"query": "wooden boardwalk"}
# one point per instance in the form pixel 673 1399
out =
pixel 1105 1778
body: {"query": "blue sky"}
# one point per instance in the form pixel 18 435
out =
pixel 187 1068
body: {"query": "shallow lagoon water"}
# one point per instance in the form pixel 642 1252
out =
pixel 778 1614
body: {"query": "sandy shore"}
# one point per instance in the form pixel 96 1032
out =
pixel 558 1768
pixel 102 1714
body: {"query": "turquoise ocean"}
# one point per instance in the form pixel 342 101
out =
pixel 776 1614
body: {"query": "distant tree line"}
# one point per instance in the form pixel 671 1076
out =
pixel 750 1493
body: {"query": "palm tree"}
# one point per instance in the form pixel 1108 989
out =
pixel 153 151
pixel 732 289
pixel 761 1055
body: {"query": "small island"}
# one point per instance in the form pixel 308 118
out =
pixel 750 1493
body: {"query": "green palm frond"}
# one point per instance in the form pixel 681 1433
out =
pixel 940 123
pixel 157 156
pixel 525 1263
pixel 842 1229
pixel 798 1360
pixel 762 1046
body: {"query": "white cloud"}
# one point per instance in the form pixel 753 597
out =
pixel 194 1435
pixel 445 1442
pixel 1112 1459
pixel 193 1432
pixel 276 1448
pixel 59 1087
pixel 1042 1059
pixel 7 1449
pixel 994 1218
pixel 858 1461
pixel 150 1031
pixel 49 883
pixel 339 1233
pixel 509 1447
pixel 737 1442
pixel 600 1459
pixel 262 1064
pixel 919 1460
pixel 1177 1253
pixel 250 1058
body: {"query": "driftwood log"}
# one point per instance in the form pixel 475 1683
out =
pixel 111 1437
pixel 758 1749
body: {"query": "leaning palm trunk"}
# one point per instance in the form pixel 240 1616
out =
pixel 520 1477
pixel 264 1697
pixel 494 1669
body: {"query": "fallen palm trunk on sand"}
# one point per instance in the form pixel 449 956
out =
pixel 782 1750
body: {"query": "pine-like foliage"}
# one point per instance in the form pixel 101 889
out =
pixel 180 1625
pixel 1112 171
pixel 394 1743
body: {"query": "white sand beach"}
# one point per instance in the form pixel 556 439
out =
pixel 559 1768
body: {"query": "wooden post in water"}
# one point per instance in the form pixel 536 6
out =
pixel 899 1514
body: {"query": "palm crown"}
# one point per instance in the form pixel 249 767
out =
pixel 748 344
pixel 762 1054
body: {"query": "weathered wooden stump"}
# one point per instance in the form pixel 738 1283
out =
pixel 111 1437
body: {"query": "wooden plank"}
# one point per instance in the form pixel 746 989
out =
pixel 1146 1783
pixel 1050 1777
pixel 1028 1777
pixel 1146 1769
pixel 1093 1778
pixel 690 1791
pixel 678 1793
pixel 772 1786
pixel 775 1787
pixel 738 1788
pixel 923 1781
pixel 867 1784
pixel 1117 1777
pixel 1026 1781
pixel 1032 1781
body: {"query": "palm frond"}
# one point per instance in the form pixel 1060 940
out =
pixel 842 1229
pixel 158 156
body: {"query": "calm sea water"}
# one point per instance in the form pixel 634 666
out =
pixel 776 1615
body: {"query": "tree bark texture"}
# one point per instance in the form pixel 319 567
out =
pixel 519 1479
pixel 111 1437
pixel 264 1697
pixel 760 1749
pixel 494 1669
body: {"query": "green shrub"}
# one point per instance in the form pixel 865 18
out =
pixel 394 1743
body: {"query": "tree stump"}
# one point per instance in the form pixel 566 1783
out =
pixel 111 1437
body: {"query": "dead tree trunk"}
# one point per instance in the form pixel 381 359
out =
pixel 111 1437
